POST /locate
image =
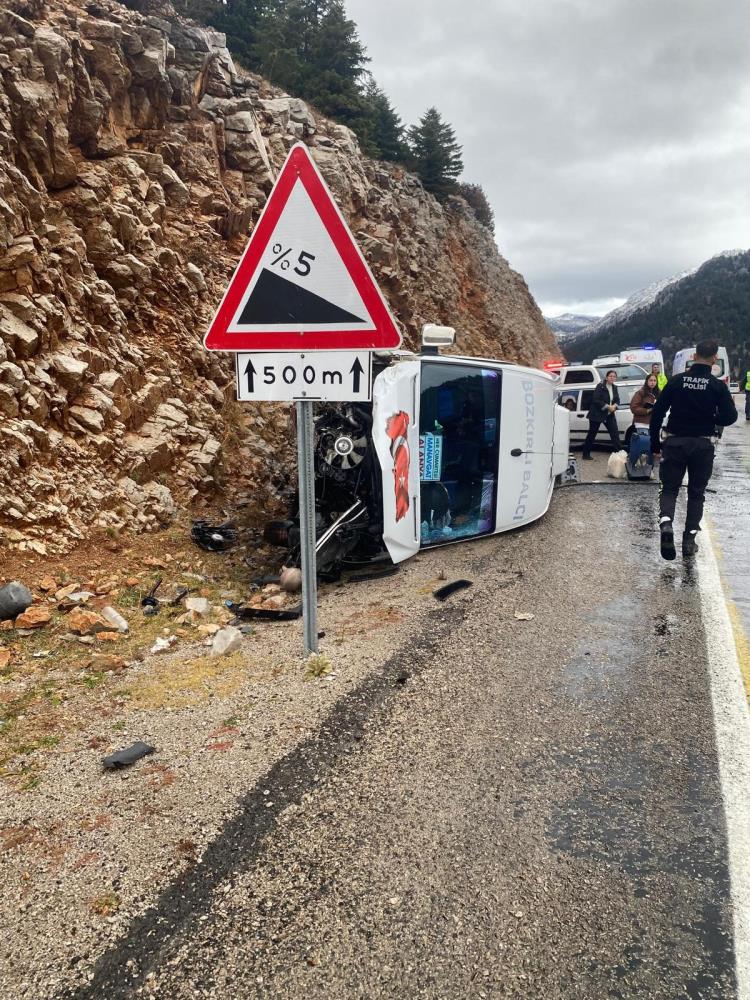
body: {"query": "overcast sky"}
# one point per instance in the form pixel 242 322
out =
pixel 612 137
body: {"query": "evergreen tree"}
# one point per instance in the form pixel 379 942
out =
pixel 311 49
pixel 335 60
pixel 477 199
pixel 283 42
pixel 435 153
pixel 385 132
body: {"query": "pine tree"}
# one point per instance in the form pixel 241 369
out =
pixel 335 60
pixel 283 42
pixel 385 131
pixel 435 153
pixel 477 199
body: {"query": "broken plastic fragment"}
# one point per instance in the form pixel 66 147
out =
pixel 162 644
pixel 268 614
pixel 14 599
pixel 151 600
pixel 213 537
pixel 450 588
pixel 122 758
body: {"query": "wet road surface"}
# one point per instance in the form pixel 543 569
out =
pixel 729 515
pixel 508 808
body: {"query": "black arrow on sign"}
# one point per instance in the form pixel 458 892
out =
pixel 251 373
pixel 357 371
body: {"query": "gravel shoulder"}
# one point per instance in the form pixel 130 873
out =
pixel 532 812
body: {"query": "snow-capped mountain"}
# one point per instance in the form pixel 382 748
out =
pixel 569 325
pixel 712 300
pixel 643 298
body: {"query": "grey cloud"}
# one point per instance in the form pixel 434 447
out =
pixel 611 137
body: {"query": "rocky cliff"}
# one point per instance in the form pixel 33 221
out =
pixel 134 159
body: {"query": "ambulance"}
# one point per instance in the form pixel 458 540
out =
pixel 450 449
pixel 683 360
pixel 643 356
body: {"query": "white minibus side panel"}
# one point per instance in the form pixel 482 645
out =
pixel 526 425
pixel 395 434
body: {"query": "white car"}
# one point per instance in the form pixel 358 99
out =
pixel 451 448
pixel 576 391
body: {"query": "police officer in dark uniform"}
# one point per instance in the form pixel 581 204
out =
pixel 698 403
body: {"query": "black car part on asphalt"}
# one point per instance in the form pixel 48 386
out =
pixel 123 758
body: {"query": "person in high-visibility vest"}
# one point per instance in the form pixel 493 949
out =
pixel 745 387
pixel 661 378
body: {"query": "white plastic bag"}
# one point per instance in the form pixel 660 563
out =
pixel 616 465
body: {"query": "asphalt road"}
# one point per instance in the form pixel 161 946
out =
pixel 729 513
pixel 507 808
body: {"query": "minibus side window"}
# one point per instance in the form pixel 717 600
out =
pixel 459 434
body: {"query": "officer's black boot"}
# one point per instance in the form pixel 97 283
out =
pixel 689 544
pixel 668 550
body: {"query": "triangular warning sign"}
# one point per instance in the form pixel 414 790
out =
pixel 302 282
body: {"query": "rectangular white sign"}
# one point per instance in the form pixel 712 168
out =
pixel 329 376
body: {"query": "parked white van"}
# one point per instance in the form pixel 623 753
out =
pixel 683 360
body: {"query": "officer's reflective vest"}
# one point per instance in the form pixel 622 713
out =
pixel 661 380
pixel 747 382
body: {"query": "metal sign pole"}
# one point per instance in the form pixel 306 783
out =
pixel 306 470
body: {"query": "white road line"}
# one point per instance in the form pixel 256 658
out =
pixel 732 724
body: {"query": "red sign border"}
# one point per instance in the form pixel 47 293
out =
pixel 383 335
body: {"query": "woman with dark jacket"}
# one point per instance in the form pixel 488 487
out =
pixel 603 408
pixel 643 402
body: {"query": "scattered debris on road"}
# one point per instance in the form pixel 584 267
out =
pixel 128 756
pixel 14 599
pixel 150 600
pixel 115 619
pixel 163 643
pixel 442 593
pixel 243 612
pixel 523 616
pixel 214 537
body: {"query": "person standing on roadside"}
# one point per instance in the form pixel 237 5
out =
pixel 698 403
pixel 602 411
pixel 644 400
pixel 661 378
pixel 639 445
pixel 745 387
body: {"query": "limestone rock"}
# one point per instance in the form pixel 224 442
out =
pixel 34 617
pixel 135 157
pixel 86 622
